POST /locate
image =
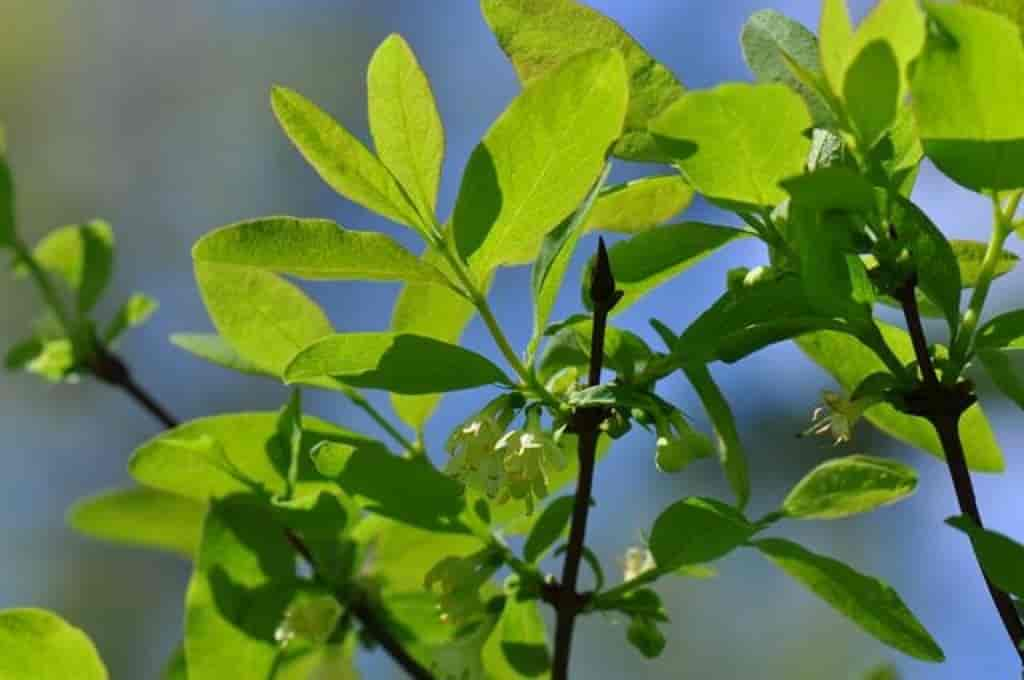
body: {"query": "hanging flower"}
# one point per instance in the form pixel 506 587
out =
pixel 457 580
pixel 678 444
pixel 528 455
pixel 474 459
pixel 638 560
pixel 837 417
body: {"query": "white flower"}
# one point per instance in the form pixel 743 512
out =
pixel 638 560
pixel 837 417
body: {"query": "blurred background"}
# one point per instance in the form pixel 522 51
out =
pixel 155 116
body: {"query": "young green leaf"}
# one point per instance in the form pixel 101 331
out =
pixel 759 128
pixel 868 602
pixel 834 187
pixel 398 362
pixel 213 348
pixel 849 362
pixel 550 525
pixel 142 517
pixel 242 585
pixel 342 160
pixel 404 122
pixel 849 486
pixel 871 92
pixel 409 491
pixel 38 645
pixel 1005 330
pixel 556 252
pixel 313 249
pixel 836 33
pixel 768 38
pixel 20 354
pixel 969 255
pixel 432 311
pixel 640 204
pixel 730 449
pixel 967 117
pixel 1001 558
pixel 539 37
pixel 135 311
pixel 176 667
pixel 520 638
pixel 83 256
pixel 695 531
pixel 1000 367
pixel 263 317
pixel 624 351
pixel 513 193
pixel 220 455
pixel 649 259
pixel 1011 9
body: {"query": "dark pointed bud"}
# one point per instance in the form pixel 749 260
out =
pixel 602 281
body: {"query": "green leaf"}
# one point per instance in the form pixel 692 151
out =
pixel 243 582
pixel 140 516
pixel 176 668
pixel 548 528
pixel 849 486
pixel 624 351
pixel 1011 9
pixel 901 24
pixel 759 128
pixel 431 311
pixel 83 256
pixel 766 37
pixel 541 36
pixel 556 253
pixel 404 122
pixel 967 117
pixel 836 32
pixel 871 92
pixel 833 187
pixel 1001 369
pixel 868 602
pixel 643 634
pixel 695 531
pixel 640 204
pixel 39 645
pixel 20 354
pixel 398 362
pixel 645 261
pixel 1001 558
pixel 521 639
pixel 1005 330
pixel 969 255
pixel 730 450
pixel 885 671
pixel 410 491
pixel 135 311
pixel 513 193
pixel 749 318
pixel 266 319
pixel 849 362
pixel 341 159
pixel 938 271
pixel 313 249
pixel 220 455
pixel 213 348
pixel 7 233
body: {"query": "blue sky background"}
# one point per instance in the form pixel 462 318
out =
pixel 155 116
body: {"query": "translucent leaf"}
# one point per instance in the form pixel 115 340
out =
pixel 759 128
pixel 83 256
pixel 213 348
pixel 341 159
pixel 695 531
pixel 39 645
pixel 849 362
pixel 242 585
pixel 868 602
pixel 514 192
pixel 540 36
pixel 849 486
pixel 969 255
pixel 135 311
pixel 649 259
pixel 967 117
pixel 313 249
pixel 140 516
pixel 767 36
pixel 266 319
pixel 871 92
pixel 640 204
pixel 404 121
pixel 518 646
pixel 219 455
pixel 398 362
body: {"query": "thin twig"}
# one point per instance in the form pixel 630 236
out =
pixel 112 370
pixel 943 405
pixel 586 424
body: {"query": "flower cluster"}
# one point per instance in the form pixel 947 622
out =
pixel 457 581
pixel 504 464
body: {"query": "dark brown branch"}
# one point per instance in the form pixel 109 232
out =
pixel 112 370
pixel 586 424
pixel 943 405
